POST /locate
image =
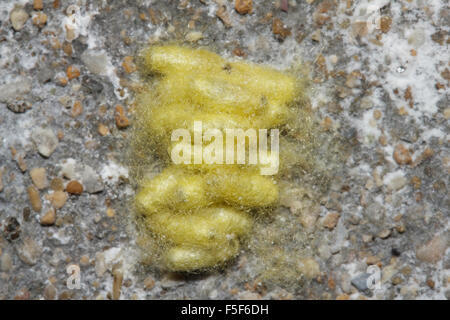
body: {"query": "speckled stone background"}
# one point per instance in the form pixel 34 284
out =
pixel 380 78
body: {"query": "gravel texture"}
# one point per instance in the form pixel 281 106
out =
pixel 68 75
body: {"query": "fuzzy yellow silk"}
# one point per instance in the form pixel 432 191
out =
pixel 202 212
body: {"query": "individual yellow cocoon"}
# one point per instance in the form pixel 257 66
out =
pixel 180 190
pixel 200 212
pixel 209 227
pixel 174 190
pixel 242 187
pixel 182 258
pixel 172 58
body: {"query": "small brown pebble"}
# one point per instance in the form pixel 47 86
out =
pixel 439 86
pixel 21 163
pixel 321 15
pixel 67 48
pixel 58 199
pixel 117 284
pixel 343 296
pixel 446 74
pixel 327 123
pixel 377 114
pixel 56 184
pixel 49 218
pixel 371 260
pixel 65 295
pixel 400 228
pixel 316 36
pixel 143 16
pixel 38 5
pixel 402 155
pixel 402 111
pixel 62 81
pixel 84 260
pixel 120 117
pixel 384 234
pixel 222 14
pixel 35 199
pixel 102 130
pixel 331 219
pixel 396 280
pixel 447 113
pixel 39 178
pixel 382 140
pixel 279 29
pixel 128 64
pixel 149 283
pixel 77 109
pixel 56 45
pixel 413 52
pixel 50 292
pixel 40 19
pixel 74 187
pixel 430 283
pixel 110 212
pixel 22 294
pixel 243 6
pixel 433 250
pixel 239 52
pixel 426 154
pixel 409 97
pixel 385 24
pixel 416 182
pixel 72 72
pixel 439 37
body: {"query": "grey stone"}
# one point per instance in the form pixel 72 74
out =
pixel 360 283
pixel 45 140
pixel 45 75
pixel 91 180
pixel 12 90
pixel 29 251
pixel 95 61
pixel 19 106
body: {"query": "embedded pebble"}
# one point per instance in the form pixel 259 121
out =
pixel 95 61
pixel 74 187
pixel 360 283
pixel 434 250
pixel 91 180
pixel 402 155
pixel 330 220
pixel 50 292
pixel 243 6
pixel 29 251
pixel 46 141
pixel 58 199
pixel 18 18
pixel 12 90
pixel 35 198
pixel 49 218
pixel 39 178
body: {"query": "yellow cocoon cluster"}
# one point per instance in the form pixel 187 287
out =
pixel 201 212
